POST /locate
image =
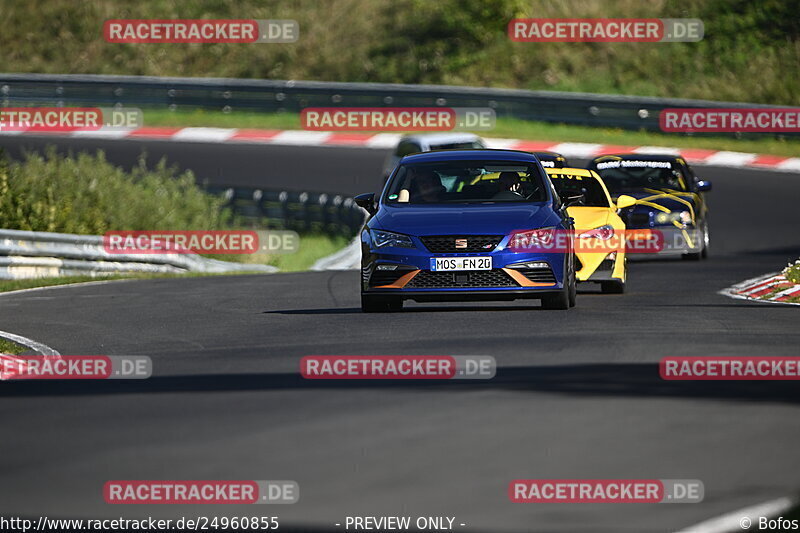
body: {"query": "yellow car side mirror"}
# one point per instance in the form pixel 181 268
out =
pixel 625 201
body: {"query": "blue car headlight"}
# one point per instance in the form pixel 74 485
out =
pixel 387 238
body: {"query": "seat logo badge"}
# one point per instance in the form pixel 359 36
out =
pixel 461 243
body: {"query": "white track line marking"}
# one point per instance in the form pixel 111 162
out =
pixel 733 521
pixel 501 144
pixel 792 164
pixel 103 134
pixel 730 159
pixel 383 140
pixel 204 134
pixel 30 343
pixel 581 150
pixel 67 286
pixel 302 138
pixel 661 150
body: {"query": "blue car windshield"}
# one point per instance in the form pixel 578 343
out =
pixel 466 182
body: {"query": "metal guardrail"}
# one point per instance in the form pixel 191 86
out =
pixel 228 95
pixel 304 212
pixel 34 254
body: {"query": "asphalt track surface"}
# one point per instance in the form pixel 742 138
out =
pixel 577 393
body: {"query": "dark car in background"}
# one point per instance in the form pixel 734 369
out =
pixel 428 142
pixel 552 159
pixel 670 198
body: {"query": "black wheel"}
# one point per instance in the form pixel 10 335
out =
pixel 702 254
pixel 706 241
pixel 371 303
pixel 612 287
pixel 693 256
pixel 561 300
pixel 557 301
pixel 573 289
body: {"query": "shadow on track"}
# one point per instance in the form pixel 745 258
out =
pixel 429 308
pixel 620 380
pixel 426 309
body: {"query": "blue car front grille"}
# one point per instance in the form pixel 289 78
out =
pixel 442 244
pixel 465 279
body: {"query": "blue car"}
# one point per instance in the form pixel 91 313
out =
pixel 446 227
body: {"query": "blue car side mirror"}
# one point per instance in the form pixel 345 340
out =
pixel 367 201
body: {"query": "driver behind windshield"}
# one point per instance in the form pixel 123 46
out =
pixel 469 182
pixel 510 187
pixel 421 185
pixel 426 186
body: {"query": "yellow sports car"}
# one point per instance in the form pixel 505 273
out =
pixel 599 231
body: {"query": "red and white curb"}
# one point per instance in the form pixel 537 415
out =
pixel 756 289
pixel 695 156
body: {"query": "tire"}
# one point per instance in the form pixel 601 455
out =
pixel 706 241
pixel 371 303
pixel 557 301
pixel 702 254
pixel 573 289
pixel 612 287
pixel 561 300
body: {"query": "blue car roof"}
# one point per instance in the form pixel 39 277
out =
pixel 462 155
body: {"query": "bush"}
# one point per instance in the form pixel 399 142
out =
pixel 750 52
pixel 792 272
pixel 86 194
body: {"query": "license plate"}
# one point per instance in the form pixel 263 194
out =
pixel 461 263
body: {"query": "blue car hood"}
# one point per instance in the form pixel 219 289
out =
pixel 496 219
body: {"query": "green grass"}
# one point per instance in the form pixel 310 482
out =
pixel 749 52
pixel 505 127
pixel 312 248
pixel 8 347
pixel 7 285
